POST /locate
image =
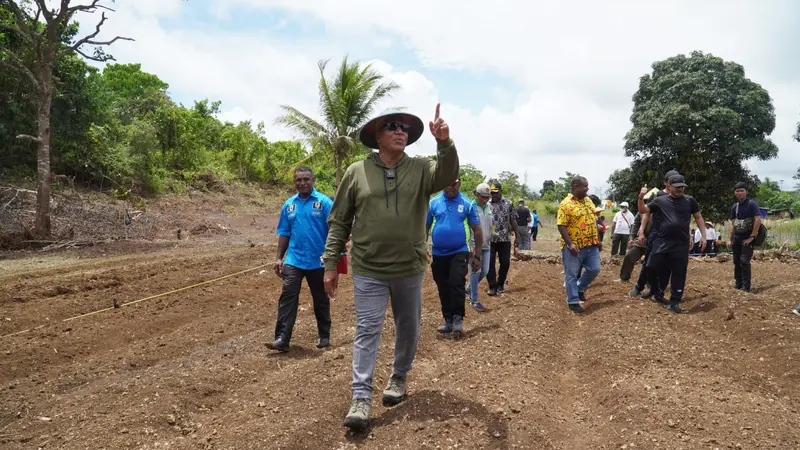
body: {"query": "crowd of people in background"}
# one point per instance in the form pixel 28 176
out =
pixel 386 209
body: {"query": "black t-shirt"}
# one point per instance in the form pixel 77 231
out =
pixel 673 216
pixel 743 219
pixel 653 222
pixel 523 214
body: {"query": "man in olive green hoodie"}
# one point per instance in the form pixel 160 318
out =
pixel 382 203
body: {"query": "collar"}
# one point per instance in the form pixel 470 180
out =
pixel 375 157
pixel 314 194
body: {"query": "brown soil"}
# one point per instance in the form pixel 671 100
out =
pixel 190 370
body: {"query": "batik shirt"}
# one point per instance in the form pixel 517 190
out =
pixel 503 212
pixel 580 219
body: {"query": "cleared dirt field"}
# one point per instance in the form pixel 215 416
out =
pixel 190 369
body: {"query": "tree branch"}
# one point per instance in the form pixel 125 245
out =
pixel 89 39
pixel 22 24
pixel 16 64
pixel 29 137
pixel 42 6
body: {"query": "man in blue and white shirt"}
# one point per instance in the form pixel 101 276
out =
pixel 451 216
pixel 302 232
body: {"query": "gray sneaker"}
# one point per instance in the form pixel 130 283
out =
pixel 395 391
pixel 458 324
pixel 357 418
pixel 635 292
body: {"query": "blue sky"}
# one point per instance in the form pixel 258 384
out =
pixel 540 87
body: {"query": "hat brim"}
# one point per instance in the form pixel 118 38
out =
pixel 368 131
pixel 678 184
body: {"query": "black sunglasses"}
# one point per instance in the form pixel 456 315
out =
pixel 392 126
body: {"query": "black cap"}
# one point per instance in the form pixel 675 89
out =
pixel 740 185
pixel 677 181
pixel 671 173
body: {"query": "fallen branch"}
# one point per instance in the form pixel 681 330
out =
pixel 19 189
pixel 9 202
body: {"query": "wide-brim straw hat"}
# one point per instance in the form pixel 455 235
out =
pixel 368 131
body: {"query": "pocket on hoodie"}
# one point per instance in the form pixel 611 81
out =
pixel 391 252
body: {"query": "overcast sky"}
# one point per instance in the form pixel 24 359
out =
pixel 537 86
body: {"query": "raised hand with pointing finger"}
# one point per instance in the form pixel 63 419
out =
pixel 439 128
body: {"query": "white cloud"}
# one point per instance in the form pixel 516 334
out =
pixel 577 64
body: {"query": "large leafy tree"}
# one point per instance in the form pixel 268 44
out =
pixel 39 32
pixel 702 116
pixel 347 101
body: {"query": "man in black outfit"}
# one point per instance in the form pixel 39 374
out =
pixel 648 229
pixel 673 213
pixel 743 228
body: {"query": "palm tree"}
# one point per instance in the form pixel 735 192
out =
pixel 347 103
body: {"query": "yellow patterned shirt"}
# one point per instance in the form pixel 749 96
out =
pixel 580 220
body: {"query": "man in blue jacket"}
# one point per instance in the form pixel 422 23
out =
pixel 302 231
pixel 451 215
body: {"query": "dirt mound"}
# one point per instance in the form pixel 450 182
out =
pixel 91 216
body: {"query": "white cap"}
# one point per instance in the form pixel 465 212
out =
pixel 624 204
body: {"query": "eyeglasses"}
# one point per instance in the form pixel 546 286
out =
pixel 392 126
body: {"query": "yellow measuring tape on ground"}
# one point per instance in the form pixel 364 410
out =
pixel 132 302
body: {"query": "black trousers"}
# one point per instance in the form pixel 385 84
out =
pixel 450 275
pixel 742 254
pixel 619 244
pixel 631 258
pixel 668 265
pixel 498 278
pixel 643 277
pixel 290 299
pixel 534 233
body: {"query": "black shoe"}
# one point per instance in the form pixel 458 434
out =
pixel 582 297
pixel 501 289
pixel 746 288
pixel 739 286
pixel 491 292
pixel 576 308
pixel 446 327
pixel 323 342
pixel 280 345
pixel 675 308
pixel 647 294
pixel 660 299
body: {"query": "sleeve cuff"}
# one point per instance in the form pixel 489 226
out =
pixel 440 145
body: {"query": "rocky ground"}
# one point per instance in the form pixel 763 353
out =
pixel 189 369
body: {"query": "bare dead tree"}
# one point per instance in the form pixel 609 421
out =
pixel 42 31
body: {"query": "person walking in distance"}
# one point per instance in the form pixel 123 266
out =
pixel 535 224
pixel 635 249
pixel 580 244
pixel 302 231
pixel 524 217
pixel 451 217
pixel 382 203
pixel 484 212
pixel 670 251
pixel 505 222
pixel 743 229
pixel 621 230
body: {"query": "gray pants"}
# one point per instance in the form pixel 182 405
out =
pixel 631 258
pixel 524 239
pixel 619 244
pixel 371 297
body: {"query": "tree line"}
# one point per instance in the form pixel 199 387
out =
pixel 119 129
